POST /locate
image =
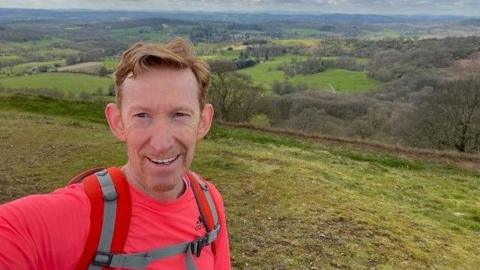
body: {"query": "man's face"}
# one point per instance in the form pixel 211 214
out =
pixel 160 122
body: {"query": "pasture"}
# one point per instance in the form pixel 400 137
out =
pixel 68 82
pixel 30 67
pixel 305 42
pixel 228 55
pixel 10 59
pixel 337 80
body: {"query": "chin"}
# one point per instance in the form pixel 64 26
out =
pixel 163 187
pixel 163 184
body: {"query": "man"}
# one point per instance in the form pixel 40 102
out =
pixel 160 114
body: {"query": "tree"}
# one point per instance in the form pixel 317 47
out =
pixel 111 90
pixel 450 116
pixel 286 87
pixel 234 96
pixel 102 71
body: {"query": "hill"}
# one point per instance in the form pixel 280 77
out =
pixel 291 204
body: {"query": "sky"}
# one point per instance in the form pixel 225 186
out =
pixel 402 7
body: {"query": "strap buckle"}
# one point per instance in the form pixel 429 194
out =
pixel 197 246
pixel 102 259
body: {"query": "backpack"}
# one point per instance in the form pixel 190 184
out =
pixel 108 192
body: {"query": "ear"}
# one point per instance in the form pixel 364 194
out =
pixel 114 119
pixel 206 117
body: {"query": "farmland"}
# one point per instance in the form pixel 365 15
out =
pixel 30 67
pixel 331 80
pixel 69 82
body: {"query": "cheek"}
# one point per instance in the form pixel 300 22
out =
pixel 186 133
pixel 134 140
pixel 188 123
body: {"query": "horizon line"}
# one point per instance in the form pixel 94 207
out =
pixel 268 12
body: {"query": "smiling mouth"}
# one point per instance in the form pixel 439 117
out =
pixel 167 161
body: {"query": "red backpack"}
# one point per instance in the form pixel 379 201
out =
pixel 109 196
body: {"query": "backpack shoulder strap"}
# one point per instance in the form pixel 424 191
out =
pixel 83 175
pixel 205 203
pixel 117 259
pixel 110 202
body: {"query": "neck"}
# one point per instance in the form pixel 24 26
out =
pixel 162 195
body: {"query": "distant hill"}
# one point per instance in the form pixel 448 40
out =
pixel 76 15
pixel 471 22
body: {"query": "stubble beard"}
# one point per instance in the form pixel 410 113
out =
pixel 163 187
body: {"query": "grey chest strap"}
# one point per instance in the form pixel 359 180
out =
pixel 140 260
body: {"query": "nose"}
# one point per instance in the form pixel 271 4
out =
pixel 161 136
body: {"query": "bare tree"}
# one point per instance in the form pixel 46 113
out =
pixel 450 116
pixel 233 95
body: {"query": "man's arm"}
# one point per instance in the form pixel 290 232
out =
pixel 44 231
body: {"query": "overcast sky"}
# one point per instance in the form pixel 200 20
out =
pixel 432 7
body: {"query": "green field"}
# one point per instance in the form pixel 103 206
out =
pixel 267 72
pixel 41 43
pixel 10 59
pixel 56 53
pixel 222 55
pixel 385 33
pixel 302 31
pixel 145 33
pixel 110 64
pixel 22 68
pixel 44 48
pixel 291 204
pixel 70 82
pixel 306 42
pixel 338 80
pixel 332 79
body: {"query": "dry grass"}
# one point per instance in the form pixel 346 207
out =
pixel 464 160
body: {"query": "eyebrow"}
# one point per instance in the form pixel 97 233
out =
pixel 183 108
pixel 137 108
pixel 144 108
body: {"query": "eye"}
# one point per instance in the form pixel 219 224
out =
pixel 181 114
pixel 140 115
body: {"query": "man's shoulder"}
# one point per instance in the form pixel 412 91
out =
pixel 63 200
pixel 32 226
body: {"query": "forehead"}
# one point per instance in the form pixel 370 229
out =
pixel 161 86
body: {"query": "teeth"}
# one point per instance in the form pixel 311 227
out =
pixel 164 161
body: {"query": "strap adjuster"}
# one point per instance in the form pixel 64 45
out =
pixel 103 259
pixel 197 246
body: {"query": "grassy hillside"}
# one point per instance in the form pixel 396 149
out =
pixel 70 82
pixel 291 204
